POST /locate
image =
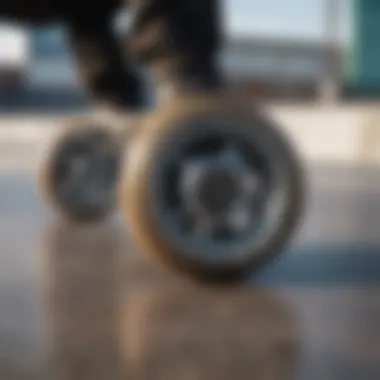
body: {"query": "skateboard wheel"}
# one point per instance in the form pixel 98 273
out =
pixel 211 188
pixel 80 172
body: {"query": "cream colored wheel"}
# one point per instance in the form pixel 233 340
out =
pixel 80 172
pixel 211 188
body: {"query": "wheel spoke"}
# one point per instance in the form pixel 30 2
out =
pixel 203 228
pixel 251 188
pixel 231 156
pixel 239 218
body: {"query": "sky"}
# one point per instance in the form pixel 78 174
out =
pixel 281 18
pixel 286 18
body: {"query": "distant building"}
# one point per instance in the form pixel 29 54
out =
pixel 276 68
pixel 13 56
pixel 266 67
pixel 50 62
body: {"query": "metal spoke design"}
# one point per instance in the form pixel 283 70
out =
pixel 219 192
pixel 87 170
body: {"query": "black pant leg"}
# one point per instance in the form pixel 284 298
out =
pixel 179 40
pixel 108 73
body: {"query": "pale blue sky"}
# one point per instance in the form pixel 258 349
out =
pixel 287 18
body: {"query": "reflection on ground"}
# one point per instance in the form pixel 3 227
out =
pixel 116 317
pixel 80 303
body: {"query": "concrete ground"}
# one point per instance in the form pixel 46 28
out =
pixel 81 303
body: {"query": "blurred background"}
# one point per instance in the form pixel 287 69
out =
pixel 279 49
pixel 81 303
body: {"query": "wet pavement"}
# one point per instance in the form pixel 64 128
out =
pixel 81 303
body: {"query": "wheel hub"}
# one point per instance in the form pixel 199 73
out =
pixel 216 190
pixel 220 190
pixel 80 168
pixel 86 171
